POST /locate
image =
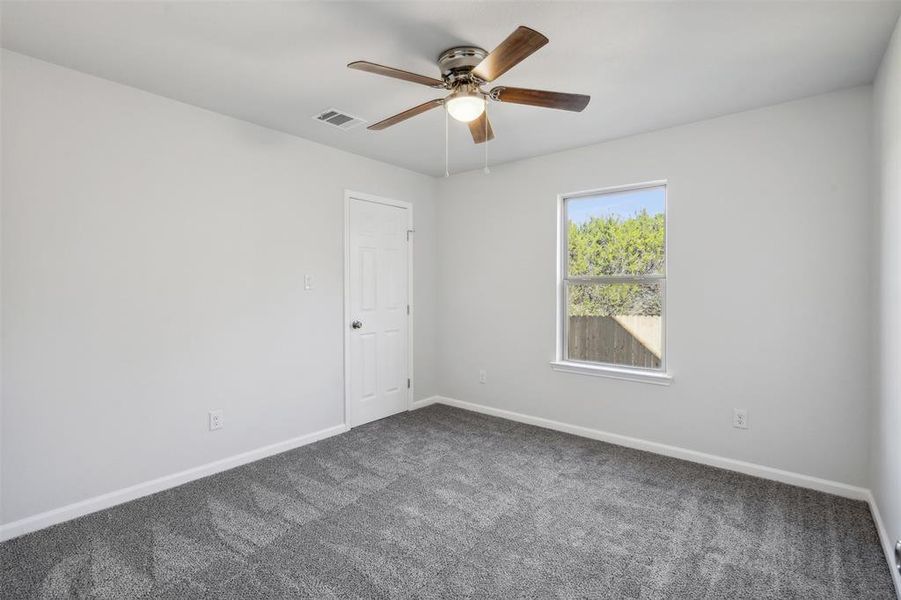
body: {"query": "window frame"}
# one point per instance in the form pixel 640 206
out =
pixel 563 363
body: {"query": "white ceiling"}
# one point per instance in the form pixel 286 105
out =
pixel 646 65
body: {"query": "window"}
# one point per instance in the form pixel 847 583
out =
pixel 612 282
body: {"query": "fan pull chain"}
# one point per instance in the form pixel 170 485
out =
pixel 446 144
pixel 486 170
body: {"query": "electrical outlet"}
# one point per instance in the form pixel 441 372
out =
pixel 898 556
pixel 216 419
pixel 483 376
pixel 740 418
pixel 308 282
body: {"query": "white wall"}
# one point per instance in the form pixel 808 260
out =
pixel 768 294
pixel 153 257
pixel 885 459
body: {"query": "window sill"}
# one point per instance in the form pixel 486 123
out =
pixel 653 377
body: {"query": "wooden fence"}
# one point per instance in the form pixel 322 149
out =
pixel 604 339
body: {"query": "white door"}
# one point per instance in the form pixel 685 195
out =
pixel 377 376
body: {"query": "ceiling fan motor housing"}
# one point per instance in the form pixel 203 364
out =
pixel 457 63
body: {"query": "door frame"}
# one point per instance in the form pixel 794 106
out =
pixel 352 195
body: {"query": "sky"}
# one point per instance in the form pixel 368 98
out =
pixel 619 204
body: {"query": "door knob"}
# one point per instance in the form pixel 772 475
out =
pixel 356 324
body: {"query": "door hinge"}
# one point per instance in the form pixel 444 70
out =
pixel 408 383
pixel 408 309
pixel 409 231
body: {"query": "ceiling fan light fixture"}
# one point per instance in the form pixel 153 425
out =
pixel 465 105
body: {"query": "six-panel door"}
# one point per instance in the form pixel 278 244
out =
pixel 378 320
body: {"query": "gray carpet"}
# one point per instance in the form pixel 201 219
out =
pixel 444 503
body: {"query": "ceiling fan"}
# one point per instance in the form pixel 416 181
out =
pixel 464 70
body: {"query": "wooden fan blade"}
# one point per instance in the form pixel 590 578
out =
pixel 362 65
pixel 573 102
pixel 518 45
pixel 478 127
pixel 416 110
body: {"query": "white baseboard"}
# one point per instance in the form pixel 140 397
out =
pixel 79 509
pixel 805 481
pixel 425 402
pixel 887 546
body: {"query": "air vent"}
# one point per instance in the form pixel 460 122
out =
pixel 338 119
